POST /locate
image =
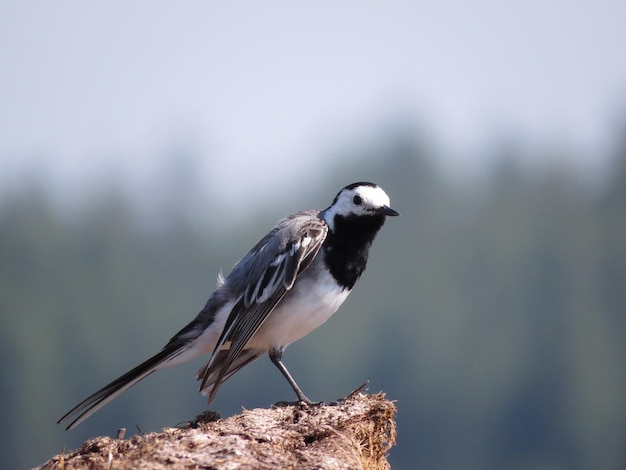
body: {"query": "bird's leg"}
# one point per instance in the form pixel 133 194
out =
pixel 276 354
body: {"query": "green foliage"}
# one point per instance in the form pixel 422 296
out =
pixel 494 316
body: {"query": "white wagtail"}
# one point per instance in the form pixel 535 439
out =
pixel 290 283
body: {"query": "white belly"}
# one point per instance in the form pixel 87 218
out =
pixel 304 308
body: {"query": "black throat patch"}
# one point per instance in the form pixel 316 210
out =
pixel 346 249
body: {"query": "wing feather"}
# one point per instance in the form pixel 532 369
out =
pixel 272 268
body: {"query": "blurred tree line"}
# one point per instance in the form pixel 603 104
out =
pixel 492 312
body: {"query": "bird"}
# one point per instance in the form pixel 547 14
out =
pixel 286 286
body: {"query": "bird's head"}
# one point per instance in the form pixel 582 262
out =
pixel 359 200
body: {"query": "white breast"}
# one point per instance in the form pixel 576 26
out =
pixel 310 303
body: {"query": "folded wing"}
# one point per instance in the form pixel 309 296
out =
pixel 265 275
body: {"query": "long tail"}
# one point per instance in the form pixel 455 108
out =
pixel 94 402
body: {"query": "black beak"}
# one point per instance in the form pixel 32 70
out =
pixel 388 211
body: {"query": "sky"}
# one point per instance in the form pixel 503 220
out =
pixel 264 91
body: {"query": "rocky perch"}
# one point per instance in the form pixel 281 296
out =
pixel 354 434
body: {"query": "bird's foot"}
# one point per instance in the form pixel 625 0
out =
pixel 304 404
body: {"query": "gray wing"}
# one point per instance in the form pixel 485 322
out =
pixel 261 279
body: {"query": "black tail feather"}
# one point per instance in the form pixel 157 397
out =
pixel 97 400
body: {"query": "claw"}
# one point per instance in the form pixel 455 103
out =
pixel 303 404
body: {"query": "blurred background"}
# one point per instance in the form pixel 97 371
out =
pixel 144 146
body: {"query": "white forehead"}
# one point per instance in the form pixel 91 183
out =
pixel 373 196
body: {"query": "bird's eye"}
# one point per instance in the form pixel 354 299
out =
pixel 357 200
